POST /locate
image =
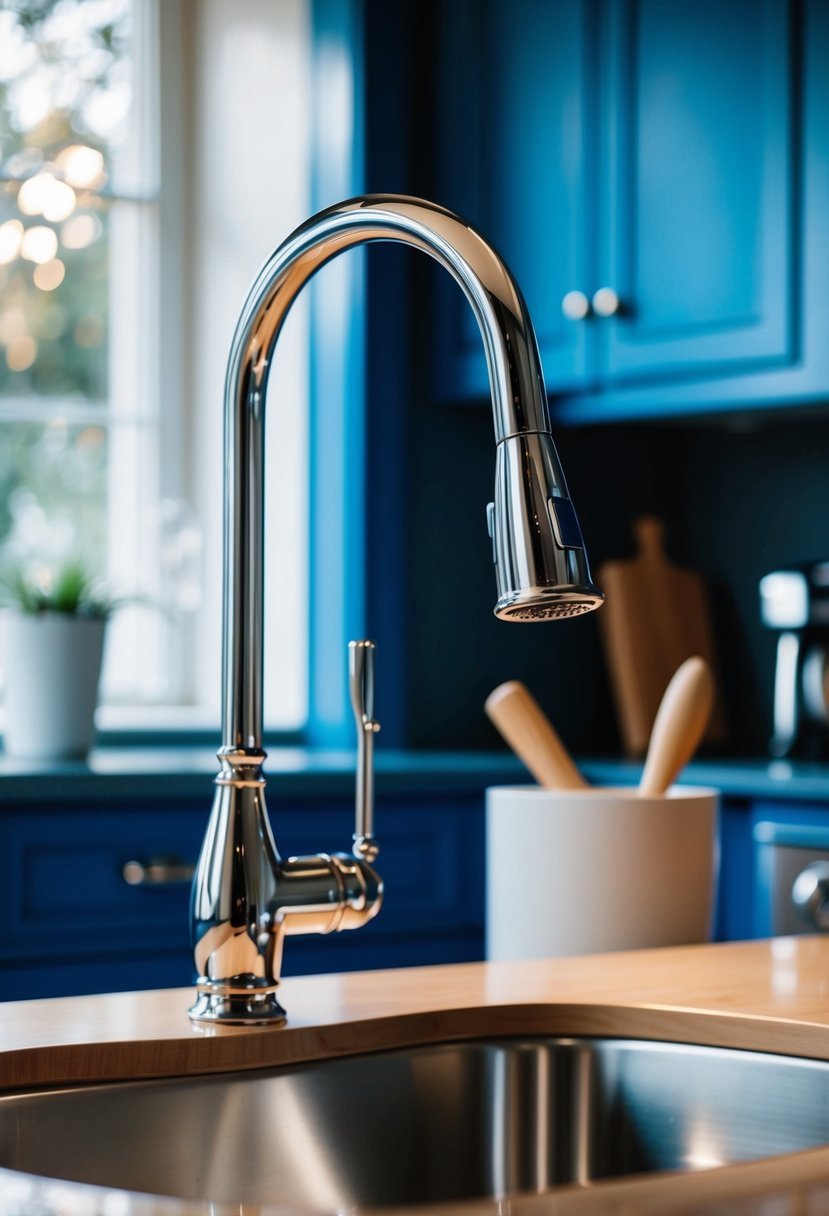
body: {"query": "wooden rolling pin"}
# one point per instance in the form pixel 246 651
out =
pixel 522 722
pixel 679 725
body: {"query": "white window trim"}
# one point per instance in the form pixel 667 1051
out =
pixel 146 449
pixel 189 362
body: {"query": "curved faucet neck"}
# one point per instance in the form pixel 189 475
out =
pixel 519 403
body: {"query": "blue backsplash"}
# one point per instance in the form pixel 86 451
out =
pixel 737 504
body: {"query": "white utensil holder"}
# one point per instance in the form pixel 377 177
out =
pixel 585 871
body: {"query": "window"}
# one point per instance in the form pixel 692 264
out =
pixel 146 173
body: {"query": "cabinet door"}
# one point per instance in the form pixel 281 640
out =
pixel 516 114
pixel 699 173
pixel 70 923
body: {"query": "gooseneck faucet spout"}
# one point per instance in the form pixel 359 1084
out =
pixel 245 898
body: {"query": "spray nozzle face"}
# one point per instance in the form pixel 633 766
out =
pixel 540 563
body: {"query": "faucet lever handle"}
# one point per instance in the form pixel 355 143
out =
pixel 361 687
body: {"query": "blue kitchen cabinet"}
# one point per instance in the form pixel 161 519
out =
pixel 515 129
pixel 674 153
pixel 70 923
pixel 696 188
pixel 787 840
pixel 765 844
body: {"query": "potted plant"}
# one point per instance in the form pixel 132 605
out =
pixel 53 646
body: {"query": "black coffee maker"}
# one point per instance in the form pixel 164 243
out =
pixel 795 601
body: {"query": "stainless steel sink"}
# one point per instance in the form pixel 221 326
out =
pixel 424 1125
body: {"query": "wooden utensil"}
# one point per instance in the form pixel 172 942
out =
pixel 655 616
pixel 522 722
pixel 680 724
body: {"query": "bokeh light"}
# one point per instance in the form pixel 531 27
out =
pixel 45 195
pixel 11 234
pixel 12 324
pixel 39 244
pixel 32 195
pixel 60 202
pixel 49 275
pixel 21 353
pixel 82 166
pixel 80 231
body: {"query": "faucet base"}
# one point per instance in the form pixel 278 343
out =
pixel 254 1007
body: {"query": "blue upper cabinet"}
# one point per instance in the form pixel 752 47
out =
pixel 515 127
pixel 674 152
pixel 696 187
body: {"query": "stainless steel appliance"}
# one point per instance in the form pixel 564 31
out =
pixel 795 601
pixel 791 890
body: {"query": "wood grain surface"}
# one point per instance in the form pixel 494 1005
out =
pixel 679 725
pixel 654 617
pixel 766 996
pixel 522 722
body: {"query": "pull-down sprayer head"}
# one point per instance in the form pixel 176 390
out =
pixel 540 563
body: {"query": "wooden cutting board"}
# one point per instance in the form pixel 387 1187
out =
pixel 655 616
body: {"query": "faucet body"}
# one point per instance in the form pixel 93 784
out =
pixel 245 898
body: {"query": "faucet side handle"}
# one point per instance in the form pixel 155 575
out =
pixel 361 687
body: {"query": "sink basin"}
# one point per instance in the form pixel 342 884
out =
pixel 430 1124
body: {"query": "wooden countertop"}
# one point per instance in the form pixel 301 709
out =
pixel 766 996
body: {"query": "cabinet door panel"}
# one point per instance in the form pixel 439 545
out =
pixel 700 167
pixel 69 923
pixel 516 124
pixel 65 896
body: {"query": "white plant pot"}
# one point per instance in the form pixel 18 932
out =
pixel 52 665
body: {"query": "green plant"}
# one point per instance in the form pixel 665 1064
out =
pixel 70 589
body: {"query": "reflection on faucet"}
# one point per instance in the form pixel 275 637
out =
pixel 245 898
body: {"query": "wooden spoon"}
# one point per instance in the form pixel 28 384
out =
pixel 679 725
pixel 522 722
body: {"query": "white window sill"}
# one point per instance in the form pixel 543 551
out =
pixel 178 725
pixel 156 718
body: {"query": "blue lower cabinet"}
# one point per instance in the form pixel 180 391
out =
pixel 766 844
pixel 790 848
pixel 734 918
pixel 70 923
pixel 69 920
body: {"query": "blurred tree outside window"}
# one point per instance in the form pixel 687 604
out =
pixel 79 410
pixel 131 135
pixel 65 94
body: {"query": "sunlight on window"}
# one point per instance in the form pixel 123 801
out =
pixel 65 88
pixel 116 314
pixel 52 486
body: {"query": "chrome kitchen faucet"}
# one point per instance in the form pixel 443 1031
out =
pixel 245 898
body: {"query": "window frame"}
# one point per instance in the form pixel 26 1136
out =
pixel 337 422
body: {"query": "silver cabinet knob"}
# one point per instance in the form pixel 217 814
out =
pixel 575 306
pixel 606 302
pixel 810 895
pixel 157 872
